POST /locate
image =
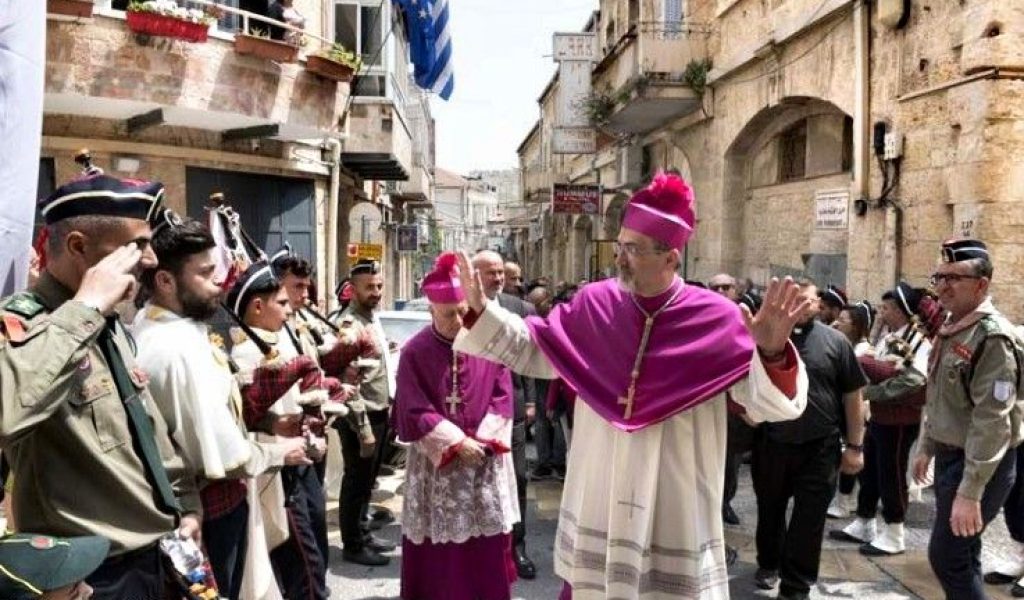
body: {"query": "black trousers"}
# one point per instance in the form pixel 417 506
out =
pixel 519 462
pixel 847 483
pixel 1013 508
pixel 360 475
pixel 226 539
pixel 740 440
pixel 301 562
pixel 137 574
pixel 547 434
pixel 956 561
pixel 805 473
pixel 886 455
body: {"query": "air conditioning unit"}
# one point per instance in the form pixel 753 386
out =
pixel 393 187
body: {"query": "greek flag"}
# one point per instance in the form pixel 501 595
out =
pixel 430 44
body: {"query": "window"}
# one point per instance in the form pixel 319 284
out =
pixel 793 152
pixel 674 12
pixel 359 25
pixel 847 144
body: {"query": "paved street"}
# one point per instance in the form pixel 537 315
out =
pixel 845 573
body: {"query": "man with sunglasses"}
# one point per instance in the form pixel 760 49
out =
pixel 973 416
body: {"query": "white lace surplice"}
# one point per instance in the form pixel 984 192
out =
pixel 456 502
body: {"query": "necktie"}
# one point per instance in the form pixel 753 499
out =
pixel 143 439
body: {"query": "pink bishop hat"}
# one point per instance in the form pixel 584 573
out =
pixel 662 210
pixel 442 285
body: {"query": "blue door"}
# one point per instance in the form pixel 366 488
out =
pixel 273 209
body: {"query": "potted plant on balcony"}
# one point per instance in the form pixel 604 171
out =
pixel 258 43
pixel 334 62
pixel 164 18
pixel 69 8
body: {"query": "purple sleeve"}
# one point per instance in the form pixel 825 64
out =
pixel 415 415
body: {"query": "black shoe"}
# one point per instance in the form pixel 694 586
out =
pixel 1017 591
pixel 766 579
pixel 559 472
pixel 729 515
pixel 731 555
pixel 995 578
pixel 524 566
pixel 542 474
pixel 377 544
pixel 870 550
pixel 364 556
pixel 841 536
pixel 792 596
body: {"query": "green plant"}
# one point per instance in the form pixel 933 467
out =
pixel 598 107
pixel 340 54
pixel 695 76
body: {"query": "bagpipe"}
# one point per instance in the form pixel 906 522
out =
pixel 923 326
pixel 322 393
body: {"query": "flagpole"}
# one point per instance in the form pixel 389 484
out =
pixel 22 60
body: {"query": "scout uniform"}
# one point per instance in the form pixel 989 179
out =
pixel 292 501
pixel 369 416
pixel 32 565
pixel 973 422
pixel 89 453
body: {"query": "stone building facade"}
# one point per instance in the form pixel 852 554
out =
pixel 294 152
pixel 779 116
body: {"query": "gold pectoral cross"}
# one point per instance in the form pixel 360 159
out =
pixel 627 400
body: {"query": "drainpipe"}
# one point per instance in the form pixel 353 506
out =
pixel 862 108
pixel 332 221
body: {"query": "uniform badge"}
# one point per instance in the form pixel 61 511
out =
pixel 139 377
pixel 962 351
pixel 42 542
pixel 1003 391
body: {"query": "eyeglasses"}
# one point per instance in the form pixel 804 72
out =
pixel 632 249
pixel 949 278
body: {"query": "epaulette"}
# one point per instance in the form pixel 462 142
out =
pixel 25 304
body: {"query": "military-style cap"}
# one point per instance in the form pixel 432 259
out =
pixel 365 267
pixel 257 279
pixel 31 565
pixel 906 298
pixel 751 301
pixel 963 249
pixel 834 295
pixel 278 257
pixel 164 218
pixel 866 310
pixel 103 195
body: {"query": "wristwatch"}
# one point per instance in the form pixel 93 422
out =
pixel 855 447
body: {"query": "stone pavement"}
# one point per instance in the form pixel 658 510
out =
pixel 845 574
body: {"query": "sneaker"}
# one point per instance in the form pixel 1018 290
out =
pixel 842 506
pixel 766 579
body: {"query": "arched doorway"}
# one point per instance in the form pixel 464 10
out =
pixel 582 234
pixel 775 168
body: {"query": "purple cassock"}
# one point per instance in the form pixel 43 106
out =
pixel 699 347
pixel 456 518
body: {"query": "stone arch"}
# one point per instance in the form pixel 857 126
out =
pixel 746 235
pixel 613 215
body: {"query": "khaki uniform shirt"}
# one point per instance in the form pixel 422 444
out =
pixel 973 394
pixel 374 384
pixel 66 431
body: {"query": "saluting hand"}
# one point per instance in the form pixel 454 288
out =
pixel 472 285
pixel 111 280
pixel 780 311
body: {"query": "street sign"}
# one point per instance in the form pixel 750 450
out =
pixel 576 46
pixel 573 90
pixel 832 209
pixel 573 141
pixel 408 238
pixel 575 199
pixel 367 251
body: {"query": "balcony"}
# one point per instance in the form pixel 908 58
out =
pixel 642 76
pixel 100 69
pixel 537 182
pixel 379 144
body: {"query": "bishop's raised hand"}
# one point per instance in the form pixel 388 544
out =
pixel 782 308
pixel 472 286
